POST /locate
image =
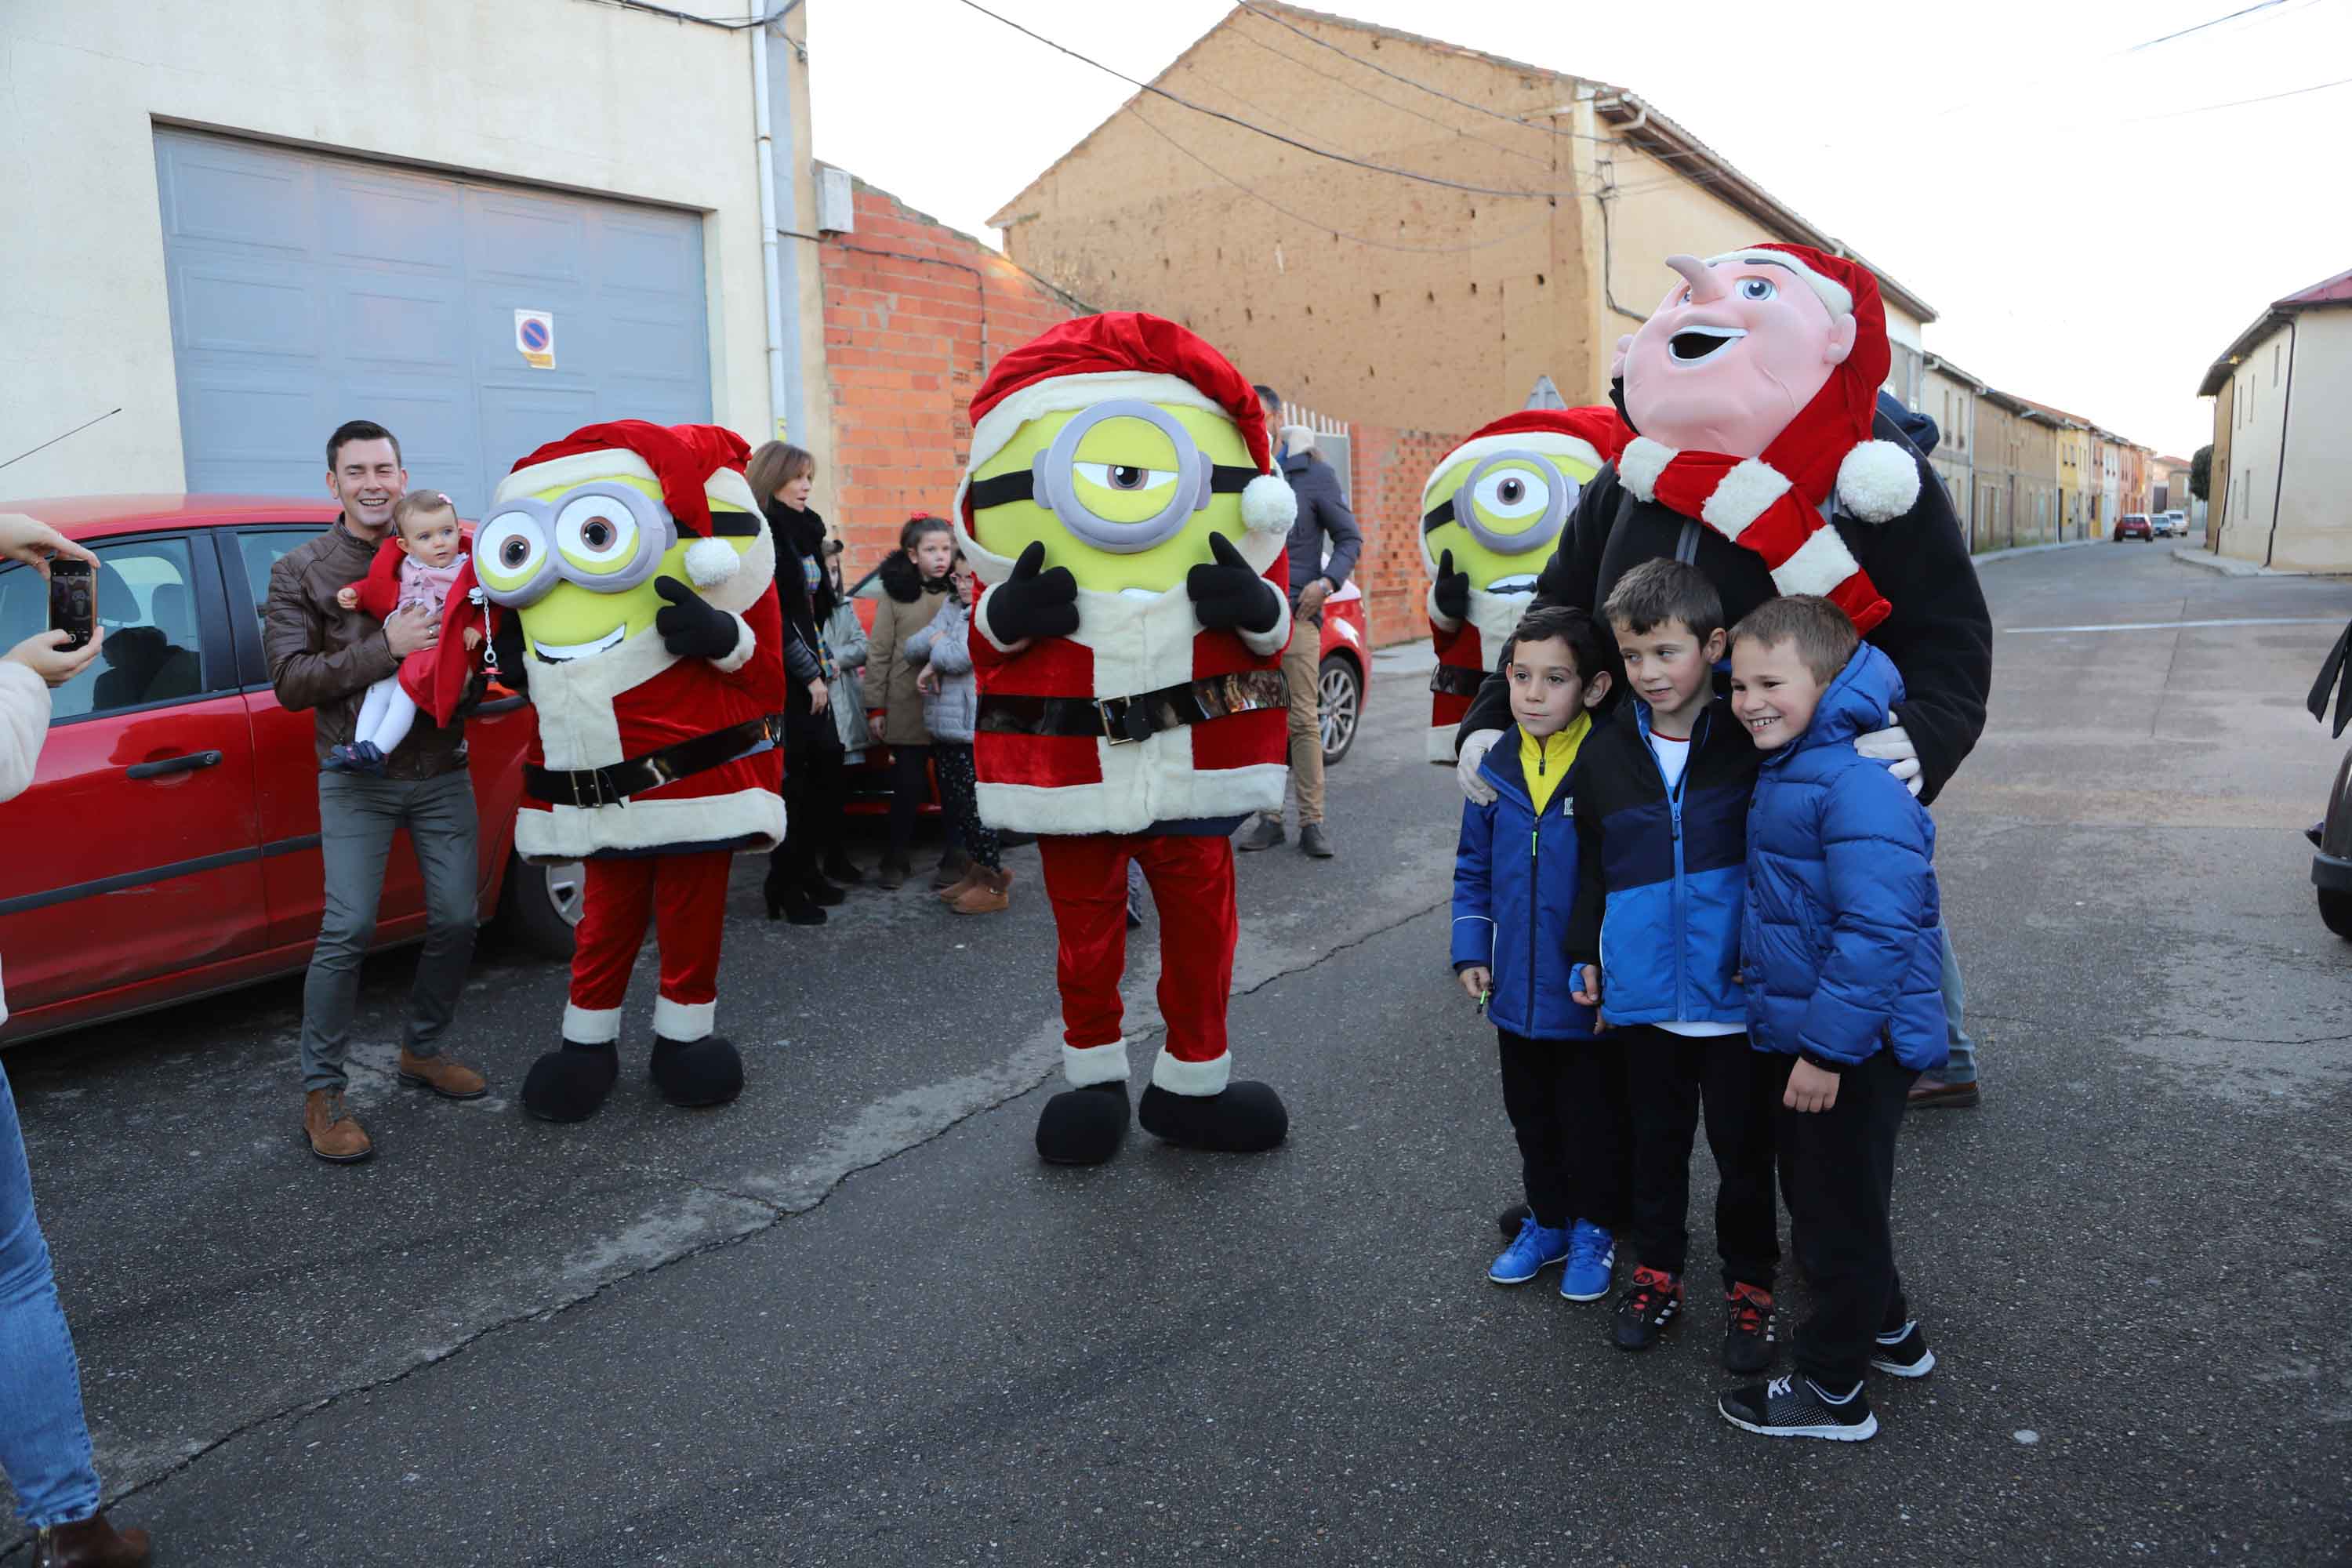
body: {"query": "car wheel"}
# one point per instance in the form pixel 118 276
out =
pixel 1343 704
pixel 541 905
pixel 2336 912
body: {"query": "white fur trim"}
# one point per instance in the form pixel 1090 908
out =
pixel 1295 439
pixel 568 833
pixel 591 1026
pixel 1878 480
pixel 1152 781
pixel 577 726
pixel 1269 505
pixel 1641 463
pixel 740 592
pixel 710 562
pixel 1266 644
pixel 1195 1081
pixel 1094 1064
pixel 1742 496
pixel 1832 293
pixel 1497 616
pixel 684 1022
pixel 744 644
pixel 1819 565
pixel 1438 619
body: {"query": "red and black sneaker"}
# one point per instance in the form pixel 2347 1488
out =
pixel 1747 1328
pixel 1647 1308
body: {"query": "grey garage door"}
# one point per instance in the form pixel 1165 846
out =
pixel 306 291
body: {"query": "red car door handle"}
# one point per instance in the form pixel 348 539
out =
pixel 186 764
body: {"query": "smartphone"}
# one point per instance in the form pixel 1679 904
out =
pixel 73 600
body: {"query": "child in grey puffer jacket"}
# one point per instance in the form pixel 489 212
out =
pixel 951 705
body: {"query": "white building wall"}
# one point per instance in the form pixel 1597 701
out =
pixel 552 92
pixel 2257 407
pixel 2314 521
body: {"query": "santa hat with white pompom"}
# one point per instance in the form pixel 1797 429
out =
pixel 695 464
pixel 1130 354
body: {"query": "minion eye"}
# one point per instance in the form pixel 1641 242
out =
pixel 1125 476
pixel 596 530
pixel 1512 494
pixel 512 546
pixel 1758 288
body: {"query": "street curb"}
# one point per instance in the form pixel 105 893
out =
pixel 2204 559
pixel 1991 555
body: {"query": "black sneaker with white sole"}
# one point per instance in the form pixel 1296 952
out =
pixel 1795 1406
pixel 1647 1308
pixel 1904 1352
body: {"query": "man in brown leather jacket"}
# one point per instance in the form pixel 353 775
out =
pixel 323 658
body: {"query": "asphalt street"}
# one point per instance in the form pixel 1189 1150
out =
pixel 853 1320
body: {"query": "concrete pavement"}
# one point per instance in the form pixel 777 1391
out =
pixel 852 1320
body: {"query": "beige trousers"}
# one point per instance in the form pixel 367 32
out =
pixel 1301 664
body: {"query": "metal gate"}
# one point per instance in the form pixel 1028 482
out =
pixel 474 321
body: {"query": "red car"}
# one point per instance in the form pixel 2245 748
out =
pixel 2132 525
pixel 1345 667
pixel 169 845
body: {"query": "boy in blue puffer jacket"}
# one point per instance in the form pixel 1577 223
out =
pixel 1843 962
pixel 1514 882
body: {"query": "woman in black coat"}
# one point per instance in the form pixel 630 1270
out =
pixel 815 781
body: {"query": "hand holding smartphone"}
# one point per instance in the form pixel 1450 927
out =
pixel 73 601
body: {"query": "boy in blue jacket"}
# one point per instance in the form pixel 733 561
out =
pixel 1514 881
pixel 1662 820
pixel 1842 964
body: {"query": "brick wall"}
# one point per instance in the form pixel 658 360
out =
pixel 907 336
pixel 1391 466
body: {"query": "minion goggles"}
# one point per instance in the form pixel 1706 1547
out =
pixel 1502 487
pixel 607 538
pixel 1050 481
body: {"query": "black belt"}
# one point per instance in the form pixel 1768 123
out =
pixel 590 787
pixel 1456 679
pixel 1122 720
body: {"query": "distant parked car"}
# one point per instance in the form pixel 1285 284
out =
pixel 2175 523
pixel 2134 525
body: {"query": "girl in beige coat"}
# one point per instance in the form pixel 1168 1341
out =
pixel 914 586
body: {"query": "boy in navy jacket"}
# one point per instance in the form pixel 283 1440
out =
pixel 1843 964
pixel 1662 817
pixel 1514 881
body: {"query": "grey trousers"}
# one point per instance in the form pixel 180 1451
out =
pixel 357 819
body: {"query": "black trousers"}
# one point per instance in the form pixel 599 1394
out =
pixel 1671 1078
pixel 1837 1171
pixel 959 802
pixel 910 786
pixel 816 786
pixel 1566 1099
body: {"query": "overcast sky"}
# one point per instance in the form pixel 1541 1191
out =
pixel 2092 231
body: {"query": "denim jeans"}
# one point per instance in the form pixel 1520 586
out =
pixel 44 1440
pixel 357 819
pixel 1962 1067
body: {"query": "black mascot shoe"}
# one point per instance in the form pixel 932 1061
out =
pixel 707 1072
pixel 1244 1118
pixel 1083 1126
pixel 1511 1218
pixel 570 1084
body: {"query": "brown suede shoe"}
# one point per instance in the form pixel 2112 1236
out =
pixel 334 1137
pixel 1929 1093
pixel 987 895
pixel 955 890
pixel 955 866
pixel 91 1543
pixel 449 1079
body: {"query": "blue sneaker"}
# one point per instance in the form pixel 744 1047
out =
pixel 1592 1261
pixel 1536 1248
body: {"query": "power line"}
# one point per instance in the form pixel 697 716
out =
pixel 1324 228
pixel 2238 102
pixel 1260 130
pixel 2245 11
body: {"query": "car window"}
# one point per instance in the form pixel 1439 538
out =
pixel 262 548
pixel 147 607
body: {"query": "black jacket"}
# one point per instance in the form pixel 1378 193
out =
pixel 800 539
pixel 1322 509
pixel 1939 635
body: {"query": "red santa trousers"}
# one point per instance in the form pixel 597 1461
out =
pixel 684 898
pixel 1191 882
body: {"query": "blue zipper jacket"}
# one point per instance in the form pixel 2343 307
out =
pixel 1841 953
pixel 1664 871
pixel 1514 884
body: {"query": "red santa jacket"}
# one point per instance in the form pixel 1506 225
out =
pixel 640 697
pixel 1125 646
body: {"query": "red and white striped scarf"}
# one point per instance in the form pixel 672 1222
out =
pixel 1758 507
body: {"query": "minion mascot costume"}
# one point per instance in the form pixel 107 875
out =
pixel 638 576
pixel 1121 507
pixel 1490 514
